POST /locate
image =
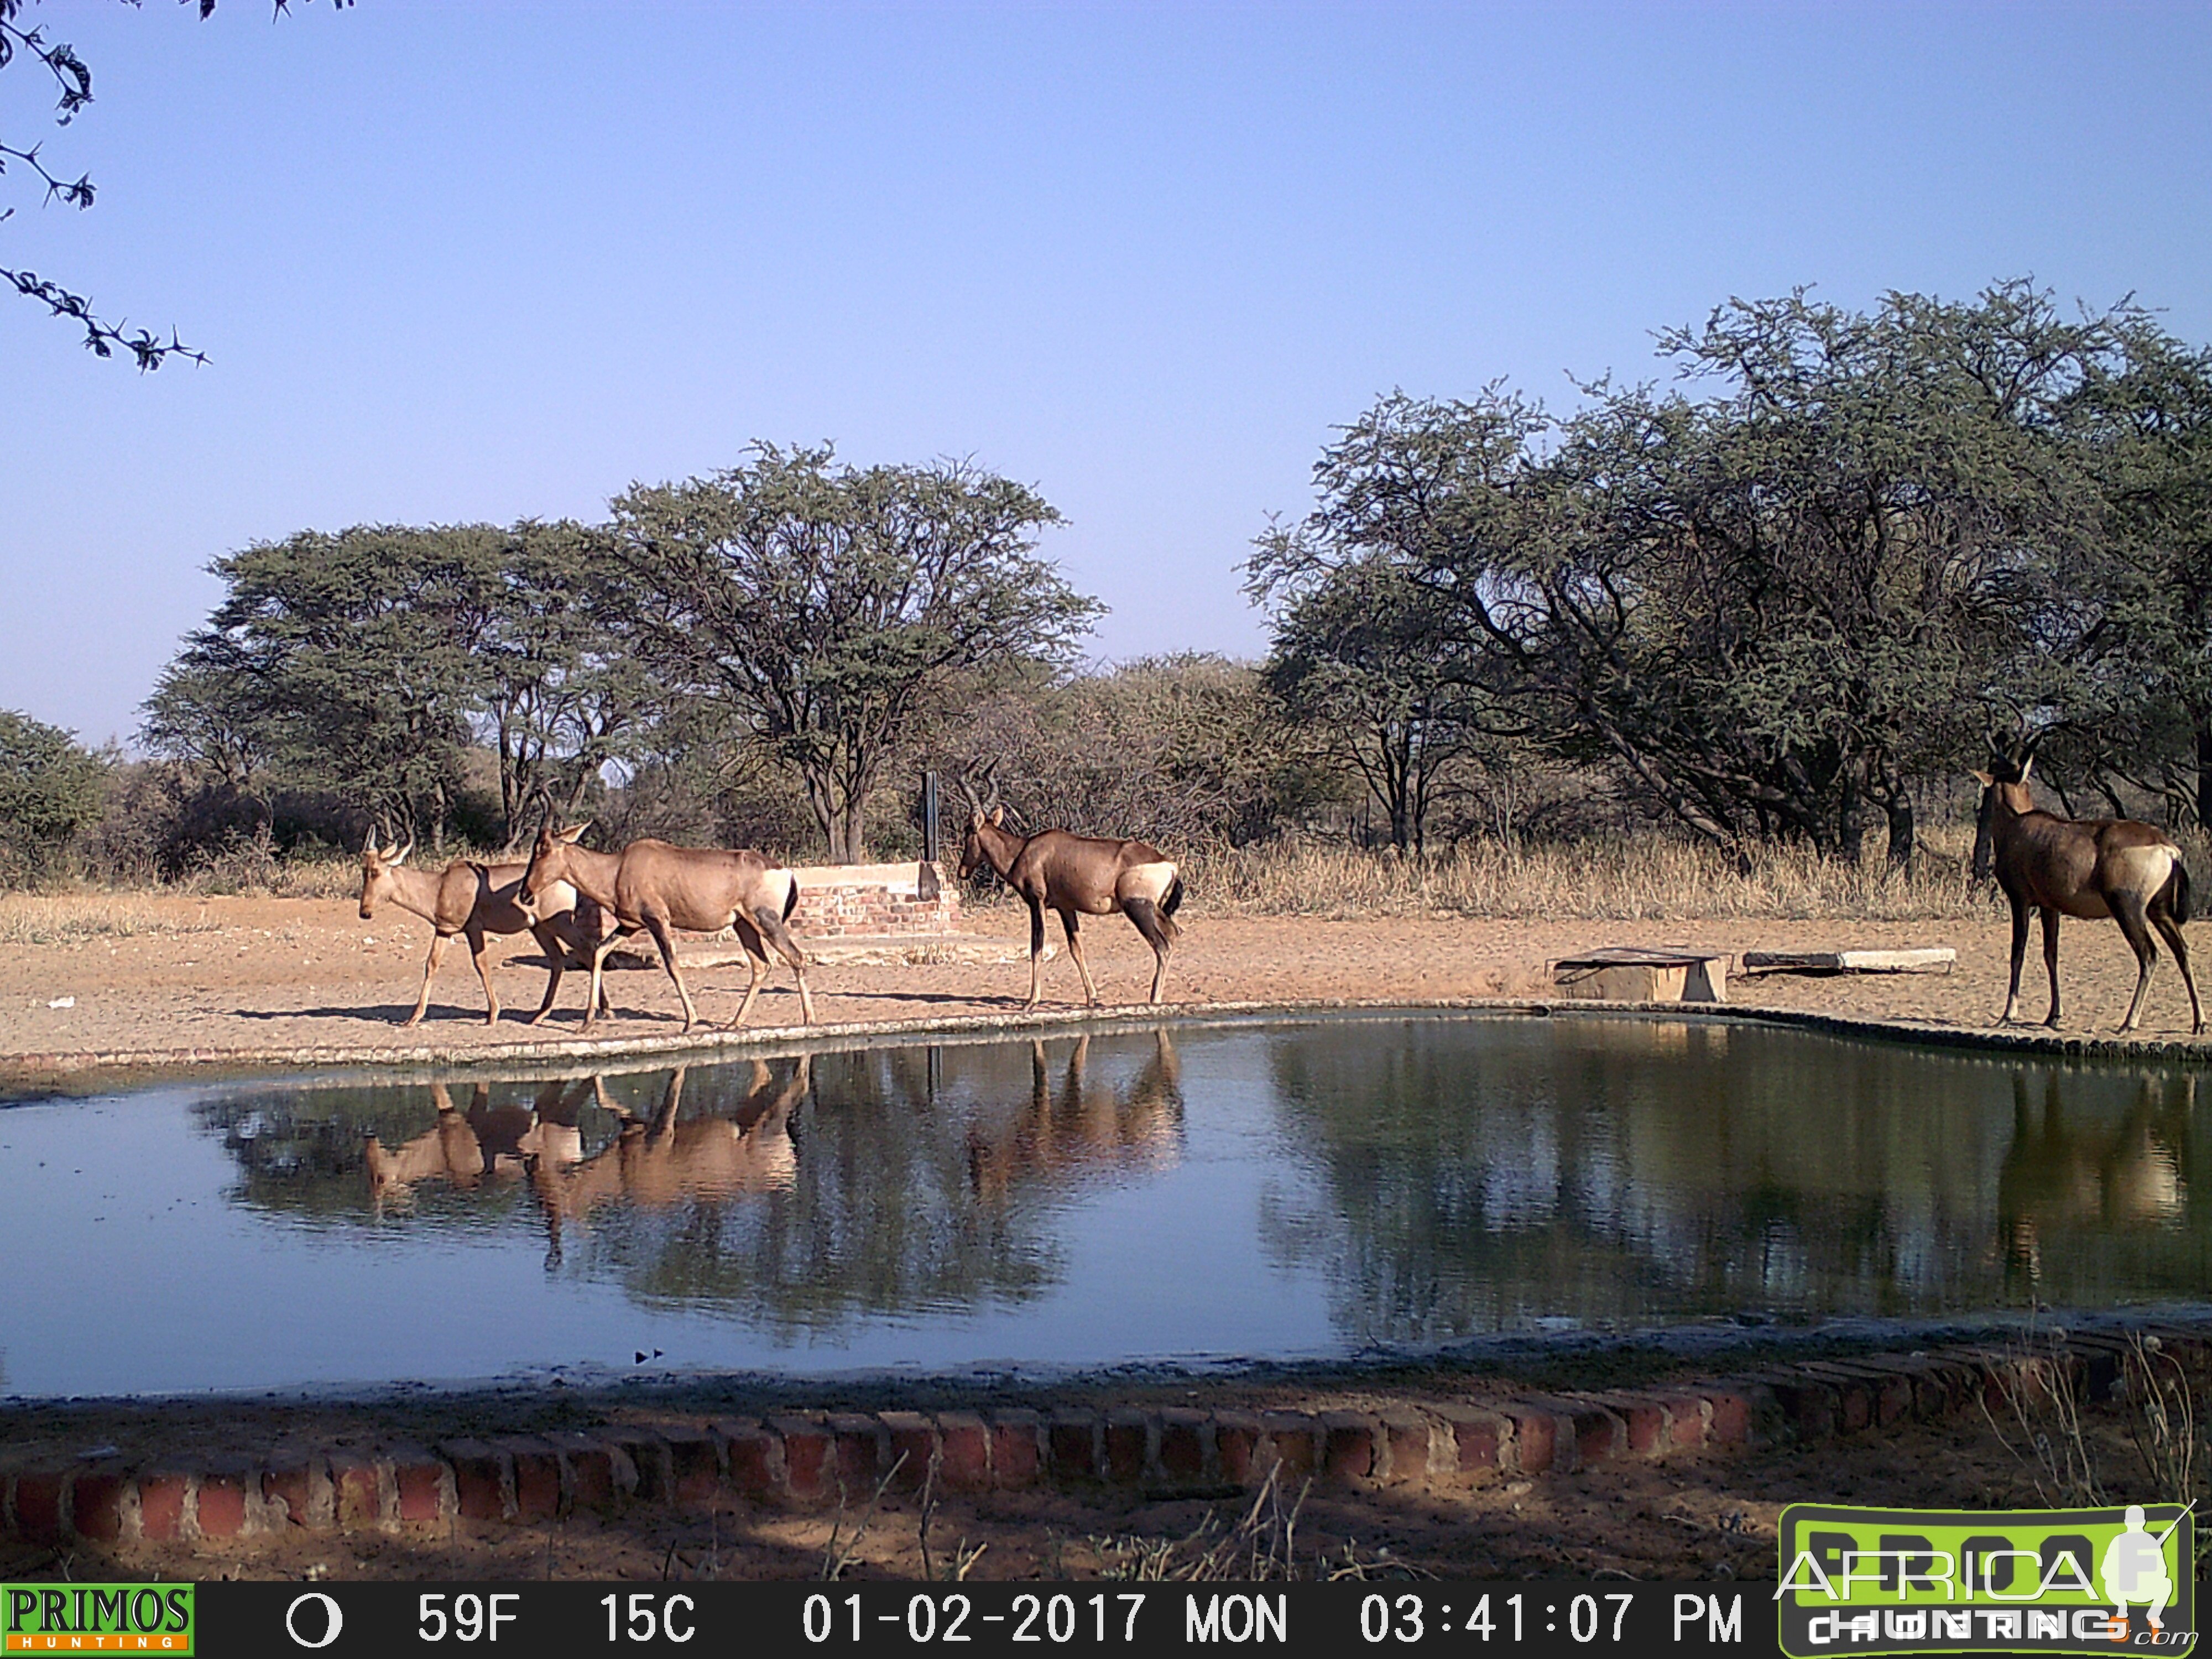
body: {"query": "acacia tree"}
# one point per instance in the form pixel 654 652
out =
pixel 825 606
pixel 560 688
pixel 1361 653
pixel 1776 607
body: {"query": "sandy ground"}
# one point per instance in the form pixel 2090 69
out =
pixel 261 973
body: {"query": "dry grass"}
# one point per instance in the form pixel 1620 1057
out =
pixel 1651 880
pixel 73 918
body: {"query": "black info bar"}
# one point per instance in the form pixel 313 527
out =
pixel 555 1620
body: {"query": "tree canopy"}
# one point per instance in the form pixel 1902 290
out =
pixel 823 606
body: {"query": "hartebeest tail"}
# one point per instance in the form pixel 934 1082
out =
pixel 1078 875
pixel 472 899
pixel 655 887
pixel 2090 868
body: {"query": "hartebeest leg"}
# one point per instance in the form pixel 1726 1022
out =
pixel 2128 911
pixel 773 930
pixel 1036 953
pixel 476 938
pixel 658 927
pixel 438 944
pixel 2171 928
pixel 2051 961
pixel 755 959
pixel 1069 926
pixel 2019 957
pixel 556 959
pixel 1156 929
pixel 598 998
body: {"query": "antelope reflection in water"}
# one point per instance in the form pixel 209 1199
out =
pixel 488 1141
pixel 2092 1170
pixel 1087 1127
pixel 666 1160
pixel 671 1160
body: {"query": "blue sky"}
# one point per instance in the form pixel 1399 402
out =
pixel 474 261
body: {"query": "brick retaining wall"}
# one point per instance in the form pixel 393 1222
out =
pixel 807 1459
pixel 845 901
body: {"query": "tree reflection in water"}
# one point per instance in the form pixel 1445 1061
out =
pixel 1630 1170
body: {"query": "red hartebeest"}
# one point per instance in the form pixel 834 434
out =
pixel 473 900
pixel 2086 867
pixel 1078 875
pixel 655 887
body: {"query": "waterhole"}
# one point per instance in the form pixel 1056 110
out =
pixel 1193 1193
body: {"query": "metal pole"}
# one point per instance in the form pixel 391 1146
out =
pixel 929 849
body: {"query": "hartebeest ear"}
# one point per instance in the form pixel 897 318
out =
pixel 998 815
pixel 1983 778
pixel 395 854
pixel 2026 766
pixel 575 834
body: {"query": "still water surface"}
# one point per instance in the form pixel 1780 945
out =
pixel 1193 1193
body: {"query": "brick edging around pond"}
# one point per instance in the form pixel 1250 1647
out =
pixel 809 1460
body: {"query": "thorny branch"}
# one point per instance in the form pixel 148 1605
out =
pixel 73 78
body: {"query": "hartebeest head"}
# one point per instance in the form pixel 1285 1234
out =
pixel 548 861
pixel 2012 792
pixel 377 864
pixel 973 856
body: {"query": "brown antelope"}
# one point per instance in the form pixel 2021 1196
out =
pixel 472 899
pixel 1078 875
pixel 2089 868
pixel 655 887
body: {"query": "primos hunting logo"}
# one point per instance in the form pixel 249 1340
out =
pixel 1992 1581
pixel 96 1619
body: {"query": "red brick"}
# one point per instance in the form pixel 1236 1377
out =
pixel 649 1456
pixel 913 1437
pixel 290 1480
pixel 810 1467
pixel 39 1496
pixel 1295 1439
pixel 1643 1420
pixel 965 1442
pixel 1408 1435
pixel 1236 1436
pixel 1182 1445
pixel 1685 1421
pixel 1728 1416
pixel 754 1457
pixel 1073 1438
pixel 695 1463
pixel 1348 1446
pixel 222 1508
pixel 1598 1433
pixel 537 1477
pixel 588 1465
pixel 1855 1394
pixel 1891 1394
pixel 1128 1447
pixel 1536 1439
pixel 160 1505
pixel 1481 1439
pixel 861 1442
pixel 1016 1449
pixel 97 1503
pixel 1808 1404
pixel 481 1487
